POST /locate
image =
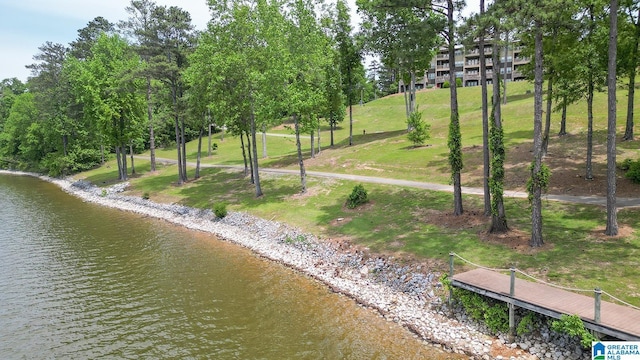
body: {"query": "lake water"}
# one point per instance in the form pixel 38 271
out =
pixel 80 281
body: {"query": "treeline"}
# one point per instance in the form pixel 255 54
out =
pixel 153 80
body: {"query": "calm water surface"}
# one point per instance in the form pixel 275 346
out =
pixel 79 281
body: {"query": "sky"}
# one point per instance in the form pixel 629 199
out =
pixel 27 24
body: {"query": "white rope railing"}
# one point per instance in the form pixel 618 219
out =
pixel 620 301
pixel 553 285
pixel 479 266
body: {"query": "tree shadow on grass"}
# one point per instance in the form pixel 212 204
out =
pixel 368 137
pixel 232 186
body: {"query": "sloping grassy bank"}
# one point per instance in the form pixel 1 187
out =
pixel 413 224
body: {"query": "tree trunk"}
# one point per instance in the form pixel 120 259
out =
pixel 123 159
pixel 264 141
pixel 498 215
pixel 407 105
pixel 199 155
pixel 547 122
pixel 244 154
pixel 412 94
pixel 119 162
pixel 133 167
pixel 249 149
pixel 589 166
pixel 563 121
pixel 209 128
pixel 177 130
pixel 633 65
pixel 506 50
pixel 254 147
pixel 152 138
pixel 612 211
pixel 485 121
pixel 303 173
pixel 350 100
pixel 183 140
pixel 455 141
pixel 313 144
pixel 332 125
pixel 102 154
pixel 536 189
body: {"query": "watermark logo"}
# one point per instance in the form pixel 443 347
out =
pixel 615 350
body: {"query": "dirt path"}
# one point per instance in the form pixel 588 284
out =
pixel 590 200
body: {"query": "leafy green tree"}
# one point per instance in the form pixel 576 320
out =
pixel 142 25
pixel 109 92
pixel 9 89
pixel 87 37
pixel 419 132
pixel 52 97
pixel 334 110
pixel 405 35
pixel 174 40
pixel 22 138
pixel 350 59
pixel 307 46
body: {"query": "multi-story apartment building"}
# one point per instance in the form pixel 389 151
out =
pixel 467 66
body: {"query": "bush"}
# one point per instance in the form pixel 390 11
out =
pixel 145 195
pixel 625 164
pixel 447 84
pixel 494 314
pixel 357 197
pixel 572 325
pixel 220 210
pixel 633 171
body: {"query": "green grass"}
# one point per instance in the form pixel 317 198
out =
pixel 408 222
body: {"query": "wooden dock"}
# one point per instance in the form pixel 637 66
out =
pixel 619 321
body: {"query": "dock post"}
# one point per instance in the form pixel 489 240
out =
pixel 597 294
pixel 512 315
pixel 451 279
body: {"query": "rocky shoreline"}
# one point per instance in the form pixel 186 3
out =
pixel 406 294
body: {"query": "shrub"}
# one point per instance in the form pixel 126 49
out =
pixel 145 195
pixel 572 325
pixel 357 197
pixel 633 171
pixel 446 85
pixel 220 210
pixel 494 314
pixel 625 164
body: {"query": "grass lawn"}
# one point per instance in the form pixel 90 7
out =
pixel 416 225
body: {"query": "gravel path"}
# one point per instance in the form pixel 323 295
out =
pixel 406 294
pixel 621 202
